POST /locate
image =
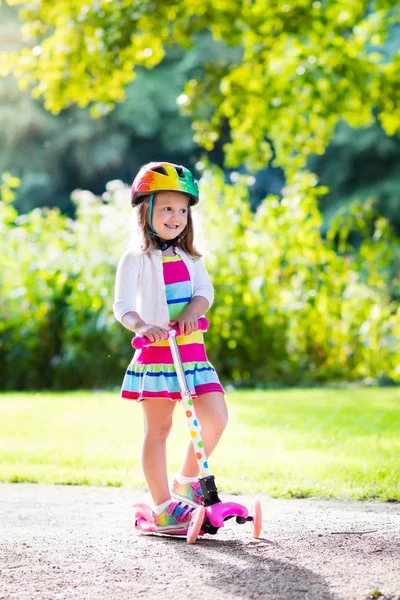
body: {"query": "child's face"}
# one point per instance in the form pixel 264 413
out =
pixel 170 214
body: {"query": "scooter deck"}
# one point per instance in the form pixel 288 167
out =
pixel 216 515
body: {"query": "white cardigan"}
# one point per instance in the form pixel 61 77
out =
pixel 140 286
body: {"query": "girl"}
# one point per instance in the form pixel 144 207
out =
pixel 164 284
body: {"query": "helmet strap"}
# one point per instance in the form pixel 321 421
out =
pixel 162 244
pixel 151 213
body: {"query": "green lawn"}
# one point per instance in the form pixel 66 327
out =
pixel 342 443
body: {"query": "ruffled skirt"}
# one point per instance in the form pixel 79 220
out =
pixel 161 381
pixel 152 374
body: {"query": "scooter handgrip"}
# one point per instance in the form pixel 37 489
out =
pixel 140 341
pixel 203 324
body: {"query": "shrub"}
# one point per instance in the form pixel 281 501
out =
pixel 291 307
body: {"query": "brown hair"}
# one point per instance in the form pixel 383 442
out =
pixel 148 242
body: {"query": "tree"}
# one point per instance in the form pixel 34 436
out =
pixel 300 66
pixel 362 166
pixel 54 155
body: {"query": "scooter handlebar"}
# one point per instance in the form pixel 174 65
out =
pixel 140 341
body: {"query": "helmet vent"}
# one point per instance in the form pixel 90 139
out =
pixel 180 172
pixel 160 170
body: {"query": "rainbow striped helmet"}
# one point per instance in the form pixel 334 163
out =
pixel 164 177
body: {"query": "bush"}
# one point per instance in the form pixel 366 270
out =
pixel 291 308
pixel 57 327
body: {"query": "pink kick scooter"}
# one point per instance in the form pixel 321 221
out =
pixel 210 516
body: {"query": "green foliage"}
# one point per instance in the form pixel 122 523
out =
pixel 53 155
pixel 57 279
pixel 301 66
pixel 32 286
pixel 289 309
pixel 360 165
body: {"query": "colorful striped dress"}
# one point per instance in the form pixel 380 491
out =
pixel 151 374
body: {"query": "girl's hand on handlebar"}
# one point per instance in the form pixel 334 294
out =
pixel 153 332
pixel 187 322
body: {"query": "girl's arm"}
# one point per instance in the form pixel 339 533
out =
pixel 202 284
pixel 126 290
pixel 189 317
pixel 203 296
pixel 133 322
pixel 126 286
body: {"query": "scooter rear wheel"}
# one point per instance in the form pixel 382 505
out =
pixel 195 525
pixel 256 523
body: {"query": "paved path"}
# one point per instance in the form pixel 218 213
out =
pixel 78 542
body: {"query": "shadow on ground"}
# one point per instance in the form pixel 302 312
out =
pixel 242 570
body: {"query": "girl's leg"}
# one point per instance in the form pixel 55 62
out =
pixel 157 419
pixel 212 415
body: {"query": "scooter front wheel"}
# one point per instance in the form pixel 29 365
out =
pixel 195 525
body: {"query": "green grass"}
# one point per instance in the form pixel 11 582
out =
pixel 342 443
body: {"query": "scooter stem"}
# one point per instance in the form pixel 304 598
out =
pixel 194 427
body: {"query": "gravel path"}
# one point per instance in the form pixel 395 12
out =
pixel 76 542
